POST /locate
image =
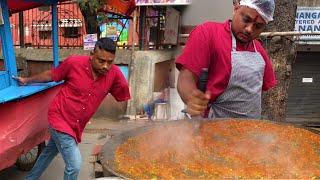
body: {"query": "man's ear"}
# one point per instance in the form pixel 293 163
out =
pixel 236 7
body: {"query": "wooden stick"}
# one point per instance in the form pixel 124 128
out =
pixel 272 34
pixel 289 33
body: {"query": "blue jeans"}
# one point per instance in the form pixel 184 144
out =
pixel 68 147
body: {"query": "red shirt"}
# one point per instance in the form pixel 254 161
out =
pixel 81 95
pixel 210 46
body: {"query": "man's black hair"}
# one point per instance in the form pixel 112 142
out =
pixel 106 44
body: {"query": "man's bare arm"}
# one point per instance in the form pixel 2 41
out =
pixel 186 84
pixel 196 101
pixel 38 78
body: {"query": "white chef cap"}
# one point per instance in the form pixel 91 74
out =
pixel 264 7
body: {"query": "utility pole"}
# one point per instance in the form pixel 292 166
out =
pixel 142 26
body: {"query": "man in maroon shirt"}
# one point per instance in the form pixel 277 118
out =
pixel 87 80
pixel 239 68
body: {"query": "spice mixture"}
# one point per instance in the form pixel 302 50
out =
pixel 221 149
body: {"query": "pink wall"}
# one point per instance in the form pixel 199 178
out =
pixel 37 20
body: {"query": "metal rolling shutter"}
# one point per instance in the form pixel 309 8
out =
pixel 304 98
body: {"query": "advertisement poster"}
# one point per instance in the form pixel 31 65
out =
pixel 89 40
pixel 162 2
pixel 115 29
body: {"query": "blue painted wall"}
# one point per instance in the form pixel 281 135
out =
pixel 125 70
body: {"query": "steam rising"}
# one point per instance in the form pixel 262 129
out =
pixel 229 149
pixel 177 139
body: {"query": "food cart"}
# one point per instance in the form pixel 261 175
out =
pixel 23 109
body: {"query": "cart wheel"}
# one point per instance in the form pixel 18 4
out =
pixel 26 161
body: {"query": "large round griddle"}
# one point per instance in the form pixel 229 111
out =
pixel 108 151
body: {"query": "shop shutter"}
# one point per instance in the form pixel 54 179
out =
pixel 304 97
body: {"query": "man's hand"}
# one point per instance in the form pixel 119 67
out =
pixel 21 80
pixel 197 102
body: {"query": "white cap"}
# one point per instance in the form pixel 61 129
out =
pixel 264 7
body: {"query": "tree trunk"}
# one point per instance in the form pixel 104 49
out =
pixel 91 21
pixel 282 51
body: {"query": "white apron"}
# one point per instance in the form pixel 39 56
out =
pixel 242 97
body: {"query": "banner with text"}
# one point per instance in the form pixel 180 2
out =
pixel 162 2
pixel 308 20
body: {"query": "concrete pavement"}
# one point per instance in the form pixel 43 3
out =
pixel 96 132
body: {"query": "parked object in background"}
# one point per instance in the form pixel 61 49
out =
pixel 23 126
pixel 161 111
pixel 23 122
pixel 159 104
pixel 150 107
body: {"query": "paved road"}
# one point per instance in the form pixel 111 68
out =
pixel 55 170
pixel 93 133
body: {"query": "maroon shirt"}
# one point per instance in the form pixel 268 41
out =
pixel 81 95
pixel 210 46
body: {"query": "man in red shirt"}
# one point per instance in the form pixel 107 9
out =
pixel 239 67
pixel 87 80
